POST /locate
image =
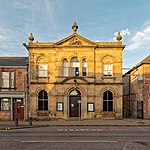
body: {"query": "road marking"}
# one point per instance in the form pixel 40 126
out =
pixel 75 141
pixel 78 130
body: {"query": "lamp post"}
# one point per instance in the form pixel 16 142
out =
pixel 79 103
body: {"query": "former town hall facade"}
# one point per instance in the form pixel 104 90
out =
pixel 75 78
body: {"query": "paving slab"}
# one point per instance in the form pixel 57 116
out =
pixel 24 124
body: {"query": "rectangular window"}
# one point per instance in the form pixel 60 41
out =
pixel 5 104
pixel 7 79
pixel 43 69
pixel 108 70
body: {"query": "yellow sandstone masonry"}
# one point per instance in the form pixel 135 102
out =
pixel 71 96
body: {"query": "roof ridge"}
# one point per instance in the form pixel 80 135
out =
pixel 13 56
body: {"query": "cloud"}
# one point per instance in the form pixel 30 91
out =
pixel 97 41
pixel 8 44
pixel 140 38
pixel 125 32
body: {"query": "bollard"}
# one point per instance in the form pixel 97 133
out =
pixel 30 121
pixel 16 121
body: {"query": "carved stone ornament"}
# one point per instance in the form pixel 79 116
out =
pixel 75 41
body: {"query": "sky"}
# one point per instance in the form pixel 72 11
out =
pixel 98 20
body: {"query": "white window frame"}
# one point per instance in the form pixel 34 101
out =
pixel 84 65
pixel 74 64
pixel 8 79
pixel 43 70
pixel 65 67
pixel 108 70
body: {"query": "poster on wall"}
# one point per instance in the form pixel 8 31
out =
pixel 59 106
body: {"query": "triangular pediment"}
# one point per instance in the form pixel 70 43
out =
pixel 75 40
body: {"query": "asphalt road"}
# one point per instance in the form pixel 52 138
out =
pixel 76 138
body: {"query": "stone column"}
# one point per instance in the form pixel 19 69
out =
pixel 83 107
pixel 66 107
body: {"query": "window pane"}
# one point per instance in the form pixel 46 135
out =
pixel 108 69
pixel 84 63
pixel 43 70
pixel 110 106
pixel 72 71
pixel 109 95
pixel 5 104
pixel 11 83
pixel 84 70
pixel 104 105
pixel 5 83
pixel 65 63
pixel 46 105
pixel 12 75
pixel 105 96
pixel 11 79
pixel 40 105
pixel 5 75
pixel 65 71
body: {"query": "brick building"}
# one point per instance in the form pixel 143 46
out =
pixel 136 90
pixel 75 78
pixel 13 88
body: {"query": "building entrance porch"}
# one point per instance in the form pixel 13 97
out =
pixel 75 104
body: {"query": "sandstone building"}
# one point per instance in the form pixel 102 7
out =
pixel 75 78
pixel 137 90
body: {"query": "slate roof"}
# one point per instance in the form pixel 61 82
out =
pixel 144 61
pixel 13 61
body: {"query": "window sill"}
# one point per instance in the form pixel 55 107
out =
pixel 8 88
pixel 108 77
pixel 74 76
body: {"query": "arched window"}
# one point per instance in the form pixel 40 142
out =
pixel 84 67
pixel 42 100
pixel 65 67
pixel 107 101
pixel 74 67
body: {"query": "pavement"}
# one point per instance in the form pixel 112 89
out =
pixel 24 124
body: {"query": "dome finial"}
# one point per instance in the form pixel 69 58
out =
pixel 119 37
pixel 75 26
pixel 31 38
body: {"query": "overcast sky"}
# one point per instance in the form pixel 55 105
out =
pixel 98 20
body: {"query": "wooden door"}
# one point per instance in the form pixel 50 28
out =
pixel 75 106
pixel 140 109
pixel 18 109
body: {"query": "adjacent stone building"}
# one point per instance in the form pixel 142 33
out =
pixel 137 90
pixel 75 78
pixel 13 88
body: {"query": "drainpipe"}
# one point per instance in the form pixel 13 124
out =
pixel 129 95
pixel 26 94
pixel 95 63
pixel 11 101
pixel 95 69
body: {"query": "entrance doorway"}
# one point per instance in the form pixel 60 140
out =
pixel 18 109
pixel 75 104
pixel 140 109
